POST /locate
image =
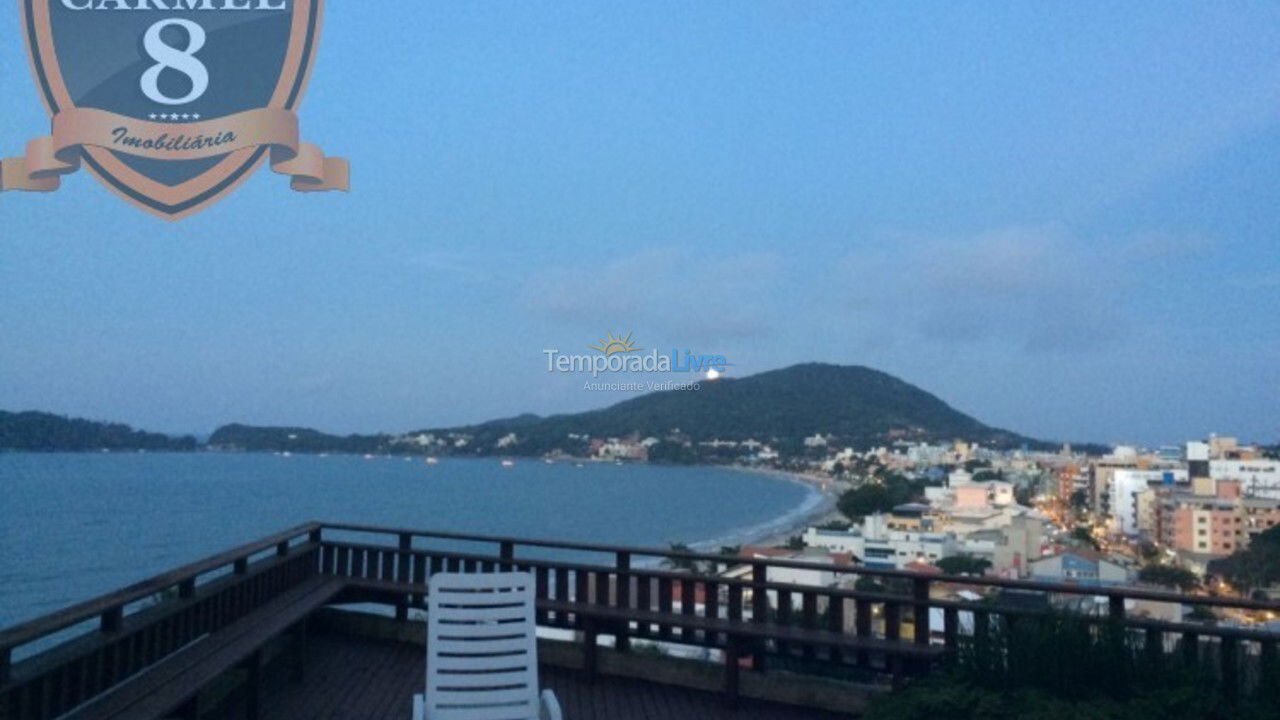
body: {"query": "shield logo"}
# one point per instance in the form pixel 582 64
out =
pixel 172 103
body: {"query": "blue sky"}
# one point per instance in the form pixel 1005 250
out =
pixel 1061 218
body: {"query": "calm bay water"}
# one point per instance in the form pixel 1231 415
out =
pixel 77 525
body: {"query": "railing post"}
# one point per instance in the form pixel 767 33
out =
pixel 622 641
pixel 1267 685
pixel 1153 646
pixel 981 628
pixel 112 619
pixel 4 665
pixel 759 593
pixel 1230 669
pixel 1190 649
pixel 187 588
pixel 403 574
pixel 950 627
pixel 1115 608
pixel 282 548
pixel 242 565
pixel 507 551
pixel 732 669
pixel 314 535
pixel 920 592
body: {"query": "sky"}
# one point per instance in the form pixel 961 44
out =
pixel 1060 218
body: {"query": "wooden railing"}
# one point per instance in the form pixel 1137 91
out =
pixel 137 627
pixel 627 579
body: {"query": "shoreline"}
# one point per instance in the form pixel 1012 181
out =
pixel 779 530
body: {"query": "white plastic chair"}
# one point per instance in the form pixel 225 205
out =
pixel 482 650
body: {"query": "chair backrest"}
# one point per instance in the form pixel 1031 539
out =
pixel 482 647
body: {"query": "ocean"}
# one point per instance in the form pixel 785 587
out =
pixel 73 526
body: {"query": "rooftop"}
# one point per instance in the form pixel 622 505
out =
pixel 323 621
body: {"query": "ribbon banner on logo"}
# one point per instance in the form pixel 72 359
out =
pixel 58 154
pixel 172 104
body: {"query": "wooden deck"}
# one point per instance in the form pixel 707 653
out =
pixel 349 678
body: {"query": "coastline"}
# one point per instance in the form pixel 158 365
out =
pixel 817 508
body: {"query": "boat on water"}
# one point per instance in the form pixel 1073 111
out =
pixel 508 463
pixel 433 460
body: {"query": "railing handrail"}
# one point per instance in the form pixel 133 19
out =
pixel 1119 592
pixel 38 627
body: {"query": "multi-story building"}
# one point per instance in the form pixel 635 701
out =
pixel 1007 537
pixel 1257 478
pixel 879 546
pixel 1126 485
pixel 1214 524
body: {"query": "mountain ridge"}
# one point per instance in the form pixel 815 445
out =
pixel 851 402
pixel 851 405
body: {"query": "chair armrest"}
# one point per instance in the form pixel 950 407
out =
pixel 419 708
pixel 550 706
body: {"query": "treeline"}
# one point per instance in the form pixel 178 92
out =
pixel 249 438
pixel 45 432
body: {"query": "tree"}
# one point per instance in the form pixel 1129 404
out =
pixel 866 500
pixel 1257 566
pixel 1148 550
pixel 1169 576
pixel 677 562
pixel 1082 534
pixel 963 565
pixel 672 453
pixel 1080 501
pixel 894 489
pixel 1024 495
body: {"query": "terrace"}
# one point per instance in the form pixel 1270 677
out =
pixel 323 621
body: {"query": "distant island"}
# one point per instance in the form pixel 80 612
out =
pixel 44 432
pixel 791 412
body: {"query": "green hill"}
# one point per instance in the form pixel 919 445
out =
pixel 45 432
pixel 857 405
pixel 250 438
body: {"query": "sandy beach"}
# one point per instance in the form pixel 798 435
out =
pixel 823 511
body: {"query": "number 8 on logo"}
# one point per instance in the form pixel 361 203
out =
pixel 167 56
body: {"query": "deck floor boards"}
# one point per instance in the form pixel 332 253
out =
pixel 350 678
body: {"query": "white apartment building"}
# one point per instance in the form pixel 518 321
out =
pixel 1257 478
pixel 879 547
pixel 1126 485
